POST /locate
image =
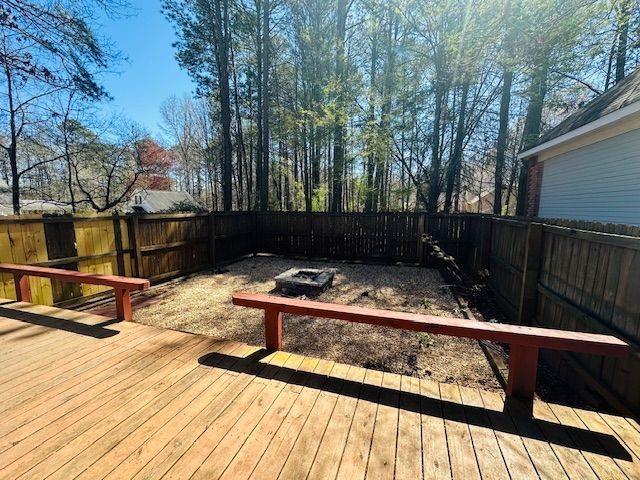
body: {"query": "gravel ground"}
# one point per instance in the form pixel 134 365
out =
pixel 201 304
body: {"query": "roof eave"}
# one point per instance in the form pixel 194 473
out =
pixel 601 122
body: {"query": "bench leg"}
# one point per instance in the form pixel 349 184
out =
pixel 273 329
pixel 123 305
pixel 21 282
pixel 523 368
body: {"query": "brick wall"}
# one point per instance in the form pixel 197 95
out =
pixel 534 184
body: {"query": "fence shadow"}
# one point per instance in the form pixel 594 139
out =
pixel 512 419
pixel 95 331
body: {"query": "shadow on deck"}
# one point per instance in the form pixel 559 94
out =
pixel 417 403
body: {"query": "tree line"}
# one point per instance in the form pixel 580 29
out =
pixel 367 105
pixel 337 105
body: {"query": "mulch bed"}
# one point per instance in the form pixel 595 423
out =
pixel 201 303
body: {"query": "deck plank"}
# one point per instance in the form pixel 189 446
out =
pixel 630 435
pixel 409 450
pixel 630 466
pixel 196 456
pixel 435 451
pixel 237 394
pixel 78 455
pixel 382 456
pixel 596 455
pixel 254 447
pixel 331 448
pixel 485 442
pixel 144 440
pixel 230 442
pixel 522 443
pixel 278 450
pixel 306 446
pixel 130 383
pixel 147 403
pixel 464 465
pixel 19 380
pixel 353 465
pixel 565 449
pixel 57 374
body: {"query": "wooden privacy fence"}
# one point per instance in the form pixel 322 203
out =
pixel 387 237
pixel 156 247
pixel 565 278
pixel 545 274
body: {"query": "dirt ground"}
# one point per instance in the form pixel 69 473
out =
pixel 201 304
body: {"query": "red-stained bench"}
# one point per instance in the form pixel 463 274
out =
pixel 121 285
pixel 524 342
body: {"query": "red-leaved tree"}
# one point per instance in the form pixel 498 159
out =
pixel 157 164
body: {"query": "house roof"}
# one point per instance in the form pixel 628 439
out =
pixel 616 100
pixel 153 201
pixel 31 206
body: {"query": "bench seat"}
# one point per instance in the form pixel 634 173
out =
pixel 121 285
pixel 524 341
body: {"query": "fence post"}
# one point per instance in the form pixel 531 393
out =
pixel 485 243
pixel 422 237
pixel 254 229
pixel 212 239
pixel 135 242
pixel 309 234
pixel 117 235
pixel 529 290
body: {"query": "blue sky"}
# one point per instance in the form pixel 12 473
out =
pixel 151 73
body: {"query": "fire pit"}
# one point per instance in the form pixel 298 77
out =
pixel 307 281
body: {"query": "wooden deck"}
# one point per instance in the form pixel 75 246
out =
pixel 84 397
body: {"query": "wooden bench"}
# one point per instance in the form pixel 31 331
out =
pixel 121 285
pixel 524 342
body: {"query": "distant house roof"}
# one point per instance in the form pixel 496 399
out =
pixel 155 201
pixel 28 205
pixel 31 206
pixel 614 104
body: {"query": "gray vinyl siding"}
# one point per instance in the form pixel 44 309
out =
pixel 598 182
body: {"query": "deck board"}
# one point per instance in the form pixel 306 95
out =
pixel 87 398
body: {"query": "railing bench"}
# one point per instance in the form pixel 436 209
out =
pixel 121 285
pixel 524 341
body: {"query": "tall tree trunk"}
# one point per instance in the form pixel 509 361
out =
pixel 240 147
pixel 371 154
pixel 434 174
pixel 455 162
pixel 623 10
pixel 532 123
pixel 250 158
pixel 339 120
pixel 264 187
pixel 505 103
pixel 501 144
pixel 259 92
pixel 221 45
pixel 385 113
pixel 12 148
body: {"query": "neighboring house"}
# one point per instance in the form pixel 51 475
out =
pixel 588 167
pixel 155 201
pixel 484 203
pixel 28 205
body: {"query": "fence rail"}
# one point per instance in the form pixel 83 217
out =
pixel 549 274
pixel 567 278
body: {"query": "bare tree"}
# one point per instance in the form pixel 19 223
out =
pixel 45 48
pixel 107 173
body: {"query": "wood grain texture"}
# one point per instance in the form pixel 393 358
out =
pixel 515 334
pixel 148 403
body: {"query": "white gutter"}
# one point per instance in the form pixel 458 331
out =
pixel 589 127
